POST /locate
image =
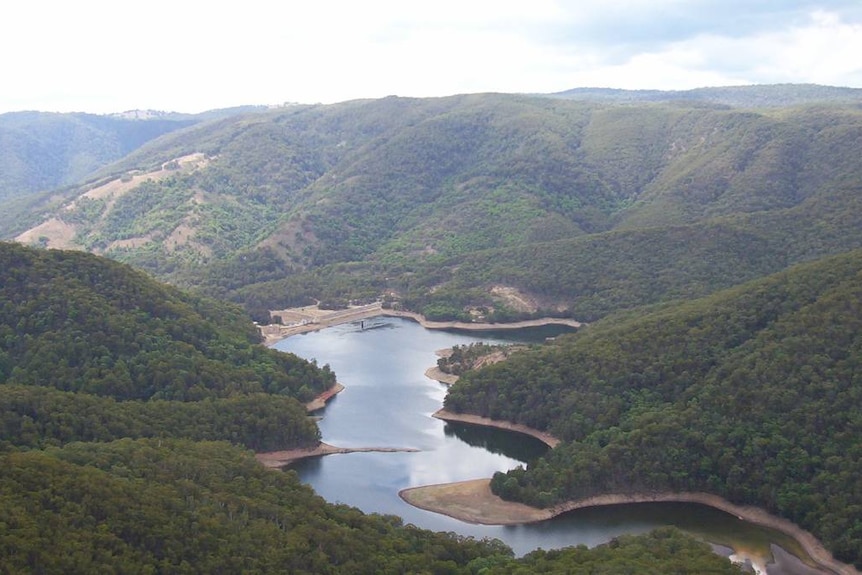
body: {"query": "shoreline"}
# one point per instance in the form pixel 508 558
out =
pixel 429 324
pixel 280 459
pixel 473 502
pixel 322 399
pixel 467 418
pixel 314 319
pixel 440 376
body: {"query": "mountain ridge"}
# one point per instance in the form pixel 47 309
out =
pixel 399 187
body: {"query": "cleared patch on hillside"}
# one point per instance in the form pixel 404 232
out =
pixel 53 233
pixel 515 299
pixel 60 234
pixel 116 188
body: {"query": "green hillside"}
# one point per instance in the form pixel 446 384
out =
pixel 45 157
pixel 126 408
pixel 583 206
pixel 184 507
pixel 41 151
pixel 81 335
pixel 592 276
pixel 752 393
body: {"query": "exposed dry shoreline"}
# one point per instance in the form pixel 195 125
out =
pixel 319 402
pixel 311 318
pixel 473 502
pixel 480 326
pixel 438 374
pixel 278 459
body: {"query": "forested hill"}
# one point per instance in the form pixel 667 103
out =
pixel 45 156
pixel 402 195
pixel 754 393
pixel 81 335
pixel 171 506
pixel 41 151
pixel 113 389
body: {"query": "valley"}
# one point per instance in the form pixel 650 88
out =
pixel 703 247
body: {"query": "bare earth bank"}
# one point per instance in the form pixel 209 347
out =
pixel 279 459
pixel 479 326
pixel 319 402
pixel 311 318
pixel 473 502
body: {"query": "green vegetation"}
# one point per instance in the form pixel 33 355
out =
pixel 664 550
pixel 113 390
pixel 151 506
pixel 752 394
pixel 37 417
pixel 627 210
pixel 465 357
pixel 756 96
pixel 41 151
pixel 91 350
pixel 184 507
pixel 602 273
pixel 587 206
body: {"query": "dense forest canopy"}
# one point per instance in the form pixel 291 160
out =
pixel 126 405
pixel 42 151
pixel 201 507
pixel 753 393
pixel 126 408
pixel 94 350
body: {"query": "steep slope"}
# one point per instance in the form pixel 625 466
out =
pixel 41 151
pixel 594 275
pixel 81 335
pixel 44 157
pixel 753 394
pixel 416 196
pixel 181 507
pixel 112 390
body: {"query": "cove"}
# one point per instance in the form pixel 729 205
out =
pixel 388 401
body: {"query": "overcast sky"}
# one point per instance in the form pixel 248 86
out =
pixel 190 56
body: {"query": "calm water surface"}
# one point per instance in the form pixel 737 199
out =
pixel 388 402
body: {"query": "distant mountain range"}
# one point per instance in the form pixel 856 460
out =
pixel 489 205
pixel 755 96
pixel 41 151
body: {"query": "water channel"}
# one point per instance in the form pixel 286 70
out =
pixel 388 402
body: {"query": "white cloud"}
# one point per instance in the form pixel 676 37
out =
pixel 826 51
pixel 820 50
pixel 101 56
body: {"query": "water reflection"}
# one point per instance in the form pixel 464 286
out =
pixel 388 402
pixel 515 445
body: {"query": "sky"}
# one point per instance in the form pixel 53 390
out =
pixel 102 56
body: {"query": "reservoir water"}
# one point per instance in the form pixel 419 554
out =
pixel 388 402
